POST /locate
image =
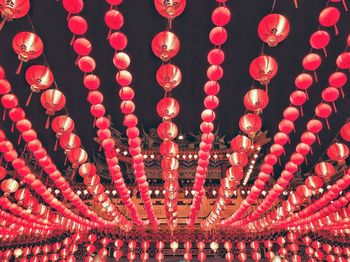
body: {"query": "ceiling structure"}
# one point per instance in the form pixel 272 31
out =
pixel 220 191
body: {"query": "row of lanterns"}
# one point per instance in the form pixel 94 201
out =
pixel 302 82
pixel 83 47
pixel 220 17
pixel 165 46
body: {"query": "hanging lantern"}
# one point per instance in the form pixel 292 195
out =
pixel 27 46
pixel 8 101
pixel 168 108
pixel 60 125
pixel 77 25
pixel 169 76
pixel 343 61
pixel 214 246
pixel 14 9
pixel 73 6
pixel 9 186
pixel 52 100
pixel 241 143
pixel 319 40
pixel 329 17
pixel 68 141
pixel 114 20
pixel 325 170
pixel 218 36
pixel 238 159
pixel 171 8
pixel 345 132
pixel 338 80
pixel 330 95
pixel 313 182
pixel 250 124
pixel 263 69
pixel 273 29
pixel 256 100
pixel 201 256
pixel 324 110
pixel 165 45
pixel 311 62
pixel 188 256
pixel 174 246
pixel 338 152
pixel 77 156
pixel 39 77
pixel 167 130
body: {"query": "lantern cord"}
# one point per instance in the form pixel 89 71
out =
pixel 273 5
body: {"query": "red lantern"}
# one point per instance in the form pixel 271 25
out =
pixel 28 46
pixel 218 36
pixel 165 45
pixel 216 56
pixel 250 124
pixel 313 183
pixel 256 100
pixel 329 17
pixel 330 95
pixel 311 62
pixel 263 69
pixel 5 86
pixel 52 100
pixel 273 28
pixel 298 98
pixel 319 40
pixel 291 113
pixel 9 186
pixel 344 3
pixel 240 143
pixel 168 108
pixel 169 76
pixel 345 132
pixel 325 170
pixel 121 60
pixel 13 10
pixel 338 152
pixel 324 110
pixel 73 6
pixel 69 141
pixel 114 20
pixel 338 80
pixel 77 25
pixel 343 60
pixel 118 41
pixel 61 124
pixel 167 130
pixel 77 156
pixel 170 9
pixel 303 81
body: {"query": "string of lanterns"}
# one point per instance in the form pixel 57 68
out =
pixel 220 17
pixel 121 60
pixel 302 82
pixel 165 46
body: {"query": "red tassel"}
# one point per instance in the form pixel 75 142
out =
pixel 77 60
pixel 100 148
pixel 12 127
pixel 279 161
pixel 29 99
pixel 345 6
pixel 19 139
pixel 267 89
pixel 2 24
pixel 307 94
pixel 19 68
pixel 306 160
pixel 71 41
pixel 93 125
pixel 65 159
pixel 68 16
pixel 311 151
pixel 301 111
pixel 327 122
pixel 47 125
pixel 325 52
pixel 109 34
pixel 4 115
pixel 296 3
pixel 56 143
pixel 318 139
pixel 315 75
pixel 342 92
pixel 336 30
pixel 335 108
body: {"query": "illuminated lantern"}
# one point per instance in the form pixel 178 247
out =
pixel 144 256
pixel 118 41
pixel 308 138
pixel 174 246
pixel 338 152
pixel 263 69
pixel 216 56
pixel 69 141
pixel 14 9
pixel 291 113
pixel 319 40
pixel 159 256
pixel 60 125
pixel 77 25
pixel 313 182
pixel 77 156
pixel 167 130
pixel 228 246
pixel 114 20
pixel 188 245
pixel 39 77
pixel 329 17
pixel 229 257
pixel 200 245
pixel 170 9
pixel 273 28
pixel 324 110
pixel 188 256
pixel 270 255
pixel 286 126
pixel 218 36
pixel 242 257
pixel 2 173
pixel 345 132
pixel 160 245
pixel 338 80
pixel 241 143
pixel 73 6
pixel 238 159
pixel 165 45
pixel 132 245
pixel 214 246
pixel 5 86
pixel 330 95
pixel 303 81
pixel 86 64
pixel 123 78
pixel 91 82
pixel 121 60
pixel 89 170
pixel 343 61
pixel 8 101
pixel 168 108
pixel 256 100
pixel 250 124
pixel 311 62
pixel 131 256
pixel 315 126
pixel 82 47
pixel 52 100
pixel 22 194
pixel 9 186
pixel 202 256
pixel 241 245
pixel 256 256
pixel 325 170
pixel 169 76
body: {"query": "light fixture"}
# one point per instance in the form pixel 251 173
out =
pixel 181 137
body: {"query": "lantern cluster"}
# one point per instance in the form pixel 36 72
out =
pixel 220 17
pixel 166 45
pixel 121 60
pixel 83 47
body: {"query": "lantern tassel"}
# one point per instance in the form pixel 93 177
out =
pixel 109 34
pixel 318 139
pixel 12 127
pixel 328 126
pixel 345 6
pixel 267 89
pixel 68 16
pixel 29 99
pixel 19 139
pixel 2 24
pixel 311 151
pixel 65 160
pixel 47 124
pixel 342 92
pixel 56 144
pixel 4 115
pixel 336 30
pixel 301 111
pixel 77 60
pixel 296 3
pixel 335 107
pixel 325 52
pixel 306 162
pixel 19 68
pixel 71 41
pixel 307 94
pixel 315 75
pixel 94 124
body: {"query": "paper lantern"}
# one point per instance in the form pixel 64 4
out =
pixel 73 6
pixel 118 41
pixel 338 80
pixel 69 140
pixel 312 62
pixel 314 182
pixel 52 100
pixel 338 152
pixel 167 130
pixel 170 9
pixel 165 45
pixel 14 9
pixel 169 76
pixel 343 61
pixel 330 95
pixel 28 46
pixel 329 17
pixel 256 100
pixel 319 40
pixel 114 20
pixel 218 36
pixel 273 29
pixel 250 124
pixel 77 25
pixel 240 143
pixel 9 186
pixel 263 69
pixel 168 108
pixel 324 110
pixel 345 132
pixel 325 170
